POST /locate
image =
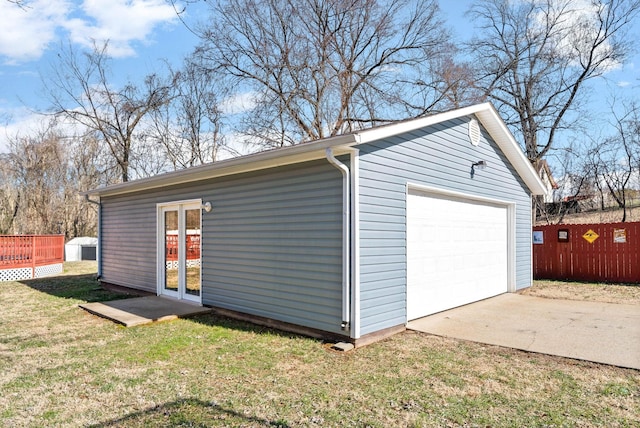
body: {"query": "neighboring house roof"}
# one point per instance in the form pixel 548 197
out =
pixel 545 173
pixel 486 114
pixel 83 240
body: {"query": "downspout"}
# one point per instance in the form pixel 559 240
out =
pixel 99 247
pixel 355 243
pixel 346 233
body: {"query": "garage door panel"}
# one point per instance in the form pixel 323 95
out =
pixel 456 252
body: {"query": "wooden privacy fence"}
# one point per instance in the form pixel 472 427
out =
pixel 30 256
pixel 587 252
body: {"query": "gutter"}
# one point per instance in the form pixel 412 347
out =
pixel 253 162
pixel 99 247
pixel 346 235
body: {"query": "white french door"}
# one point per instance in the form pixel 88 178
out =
pixel 179 260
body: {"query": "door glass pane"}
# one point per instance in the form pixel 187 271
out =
pixel 192 236
pixel 171 250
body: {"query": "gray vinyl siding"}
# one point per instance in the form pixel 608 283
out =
pixel 438 156
pixel 128 241
pixel 271 246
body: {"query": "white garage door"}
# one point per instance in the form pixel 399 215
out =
pixel 456 252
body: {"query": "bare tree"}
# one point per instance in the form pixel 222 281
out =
pixel 22 4
pixel 534 58
pixel 552 208
pixel 592 170
pixel 81 89
pixel 613 170
pixel 456 79
pixel 617 156
pixel 9 196
pixel 37 174
pixel 42 175
pixel 190 127
pixel 317 68
pixel 88 166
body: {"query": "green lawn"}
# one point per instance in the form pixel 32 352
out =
pixel 60 366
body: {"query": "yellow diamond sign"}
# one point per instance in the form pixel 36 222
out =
pixel 590 236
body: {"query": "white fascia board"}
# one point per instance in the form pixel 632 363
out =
pixel 494 124
pixel 485 112
pixel 253 162
pixel 390 130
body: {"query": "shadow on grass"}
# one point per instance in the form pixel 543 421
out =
pixel 189 412
pixel 86 288
pixel 218 320
pixel 83 287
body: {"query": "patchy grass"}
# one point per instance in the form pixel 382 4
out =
pixel 77 282
pixel 60 366
pixel 611 215
pixel 608 293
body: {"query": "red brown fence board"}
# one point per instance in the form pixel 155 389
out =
pixel 23 251
pixel 587 252
pixel 192 247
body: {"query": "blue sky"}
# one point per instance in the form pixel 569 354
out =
pixel 141 34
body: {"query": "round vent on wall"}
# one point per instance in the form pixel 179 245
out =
pixel 474 132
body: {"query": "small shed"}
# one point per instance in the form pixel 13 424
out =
pixel 351 236
pixel 80 248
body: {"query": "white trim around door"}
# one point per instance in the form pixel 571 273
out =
pixel 460 249
pixel 179 262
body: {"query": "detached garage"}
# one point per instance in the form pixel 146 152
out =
pixel 350 236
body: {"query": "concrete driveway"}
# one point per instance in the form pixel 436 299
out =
pixel 600 332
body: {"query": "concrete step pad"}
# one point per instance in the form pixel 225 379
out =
pixel 144 310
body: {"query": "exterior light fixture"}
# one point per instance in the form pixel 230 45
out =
pixel 481 164
pixel 207 207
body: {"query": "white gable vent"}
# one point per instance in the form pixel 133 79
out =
pixel 474 132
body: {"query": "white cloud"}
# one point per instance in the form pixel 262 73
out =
pixel 239 103
pixel 17 122
pixel 121 22
pixel 27 32
pixel 576 29
pixel 623 83
pixel 20 122
pixel 236 144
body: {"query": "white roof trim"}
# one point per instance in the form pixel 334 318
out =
pixel 390 130
pixel 485 112
pixel 491 121
pixel 253 162
pixel 496 127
